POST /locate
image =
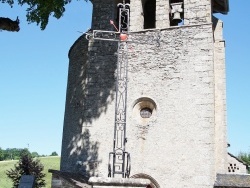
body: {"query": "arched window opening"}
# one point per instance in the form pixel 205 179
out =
pixel 149 11
pixel 121 18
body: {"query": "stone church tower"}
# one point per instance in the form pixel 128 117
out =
pixel 175 111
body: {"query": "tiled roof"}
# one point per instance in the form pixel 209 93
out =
pixel 232 181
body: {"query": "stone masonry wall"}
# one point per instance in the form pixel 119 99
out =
pixel 90 92
pixel 220 98
pixel 103 11
pixel 136 12
pixel 183 143
pixel 162 14
pixel 176 145
pixel 196 12
pixel 72 131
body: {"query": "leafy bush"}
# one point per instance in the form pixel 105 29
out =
pixel 27 166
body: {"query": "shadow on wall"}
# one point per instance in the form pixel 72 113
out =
pixel 90 90
pixel 91 80
pixel 87 154
pixel 215 22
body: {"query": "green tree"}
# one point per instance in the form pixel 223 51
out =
pixel 34 154
pixel 24 151
pixel 54 154
pixel 245 157
pixel 27 166
pixel 8 154
pixel 14 153
pixel 1 154
pixel 37 12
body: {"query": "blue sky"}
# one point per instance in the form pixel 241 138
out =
pixel 33 77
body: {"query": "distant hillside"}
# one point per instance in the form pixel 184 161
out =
pixel 48 162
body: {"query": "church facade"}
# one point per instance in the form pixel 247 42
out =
pixel 175 105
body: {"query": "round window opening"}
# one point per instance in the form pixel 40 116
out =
pixel 146 112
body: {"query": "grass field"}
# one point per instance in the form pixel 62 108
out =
pixel 48 162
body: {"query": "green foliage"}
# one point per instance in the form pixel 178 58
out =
pixel 12 153
pixel 27 166
pixel 10 2
pixel 39 11
pixel 34 154
pixel 54 154
pixel 245 157
pixel 1 154
pixel 24 152
pixel 48 163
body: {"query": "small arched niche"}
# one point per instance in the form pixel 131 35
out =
pixel 149 12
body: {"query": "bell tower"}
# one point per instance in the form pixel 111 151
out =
pixel 174 112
